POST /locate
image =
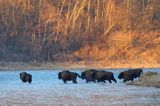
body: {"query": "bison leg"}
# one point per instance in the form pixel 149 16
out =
pixel 109 81
pixel 94 80
pixel 98 81
pixel 124 80
pixel 29 81
pixel 104 81
pixel 114 80
pixel 64 81
pixel 23 80
pixel 74 81
pixel 132 79
pixel 87 81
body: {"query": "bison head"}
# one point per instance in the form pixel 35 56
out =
pixel 120 75
pixel 83 75
pixel 141 71
pixel 59 75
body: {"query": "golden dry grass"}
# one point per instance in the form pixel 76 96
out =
pixel 113 31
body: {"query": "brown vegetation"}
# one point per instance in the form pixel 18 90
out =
pixel 148 79
pixel 112 31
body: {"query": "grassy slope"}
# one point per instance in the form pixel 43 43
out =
pixel 121 50
pixel 133 49
pixel 84 39
pixel 148 79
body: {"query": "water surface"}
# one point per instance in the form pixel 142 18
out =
pixel 47 90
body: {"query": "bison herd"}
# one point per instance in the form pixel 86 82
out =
pixel 90 75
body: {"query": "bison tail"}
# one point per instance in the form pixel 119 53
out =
pixel 113 78
pixel 78 75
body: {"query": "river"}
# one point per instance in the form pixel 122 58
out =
pixel 47 90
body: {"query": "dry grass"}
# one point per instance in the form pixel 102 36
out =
pixel 148 79
pixel 112 31
pixel 126 48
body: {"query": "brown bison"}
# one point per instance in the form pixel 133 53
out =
pixel 25 77
pixel 68 76
pixel 88 75
pixel 102 76
pixel 130 74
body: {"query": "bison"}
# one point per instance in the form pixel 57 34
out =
pixel 25 77
pixel 130 74
pixel 68 76
pixel 88 75
pixel 102 76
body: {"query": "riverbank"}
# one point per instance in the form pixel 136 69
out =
pixel 71 65
pixel 148 79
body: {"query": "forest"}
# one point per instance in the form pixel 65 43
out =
pixel 110 31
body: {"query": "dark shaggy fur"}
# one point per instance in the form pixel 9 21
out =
pixel 130 74
pixel 88 75
pixel 68 76
pixel 102 76
pixel 25 77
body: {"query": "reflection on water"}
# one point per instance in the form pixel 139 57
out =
pixel 47 90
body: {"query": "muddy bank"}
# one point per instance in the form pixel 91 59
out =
pixel 148 79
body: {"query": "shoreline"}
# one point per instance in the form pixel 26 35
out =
pixel 148 79
pixel 69 65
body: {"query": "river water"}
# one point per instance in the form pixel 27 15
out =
pixel 47 90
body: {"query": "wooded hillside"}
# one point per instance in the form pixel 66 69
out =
pixel 114 31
